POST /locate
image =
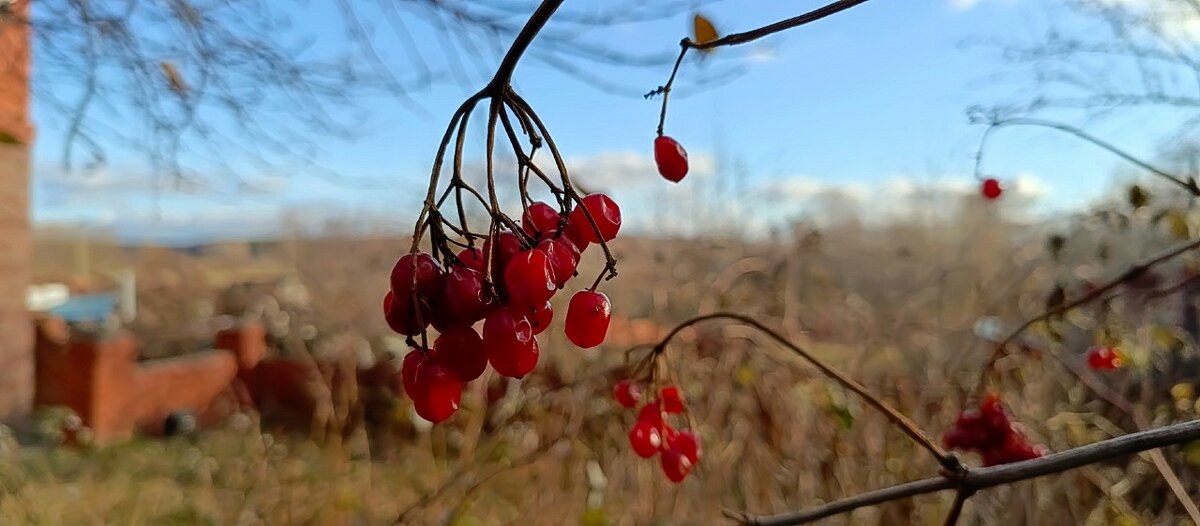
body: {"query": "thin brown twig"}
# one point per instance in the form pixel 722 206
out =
pixel 983 478
pixel 947 460
pixel 1133 272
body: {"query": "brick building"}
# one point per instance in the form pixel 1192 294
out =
pixel 16 137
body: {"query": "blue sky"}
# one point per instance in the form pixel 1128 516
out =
pixel 869 103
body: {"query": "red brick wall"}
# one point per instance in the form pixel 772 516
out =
pixel 16 331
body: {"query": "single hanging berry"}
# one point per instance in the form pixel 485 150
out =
pixel 991 189
pixel 1104 358
pixel 460 349
pixel 672 401
pixel 587 320
pixel 604 212
pixel 671 158
pixel 627 393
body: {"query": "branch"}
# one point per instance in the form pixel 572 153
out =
pixel 983 478
pixel 1130 274
pixel 755 34
pixel 996 123
pixel 947 460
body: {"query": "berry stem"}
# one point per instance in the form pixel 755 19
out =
pixel 948 461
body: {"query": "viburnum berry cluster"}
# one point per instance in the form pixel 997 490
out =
pixel 652 433
pixel 511 296
pixel 1103 358
pixel 990 432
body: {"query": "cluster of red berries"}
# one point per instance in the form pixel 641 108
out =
pixel 989 432
pixel 512 301
pixel 1104 358
pixel 671 158
pixel 679 449
pixel 991 189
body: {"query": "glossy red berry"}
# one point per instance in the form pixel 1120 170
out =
pixel 627 393
pixel 540 220
pixel 466 296
pixel 540 317
pixel 402 318
pixel 991 189
pixel 671 158
pixel 529 278
pixel 511 348
pixel 675 465
pixel 604 212
pixel 562 257
pixel 408 370
pixel 672 401
pixel 420 269
pixel 587 320
pixel 645 439
pixel 460 349
pixel 652 413
pixel 1104 358
pixel 438 392
pixel 472 258
pixel 686 442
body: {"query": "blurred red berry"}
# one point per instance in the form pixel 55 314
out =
pixel 627 393
pixel 675 465
pixel 651 413
pixel 1104 358
pixel 645 439
pixel 991 189
pixel 672 401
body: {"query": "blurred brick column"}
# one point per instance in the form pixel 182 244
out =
pixel 16 251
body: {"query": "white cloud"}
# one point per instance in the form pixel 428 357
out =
pixel 625 169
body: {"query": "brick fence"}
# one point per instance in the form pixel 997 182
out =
pixel 16 258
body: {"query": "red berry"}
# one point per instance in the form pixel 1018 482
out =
pixel 529 278
pixel 675 465
pixel 687 443
pixel 651 413
pixel 466 296
pixel 562 257
pixel 472 258
pixel 422 266
pixel 672 402
pixel 460 349
pixel 511 348
pixel 408 370
pixel 587 318
pixel 540 317
pixel 991 189
pixel 627 393
pixel 604 212
pixel 645 439
pixel 671 158
pixel 540 219
pixel 438 392
pixel 1104 358
pixel 402 318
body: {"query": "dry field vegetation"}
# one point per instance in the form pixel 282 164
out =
pixel 894 306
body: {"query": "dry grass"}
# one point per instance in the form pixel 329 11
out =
pixel 894 307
